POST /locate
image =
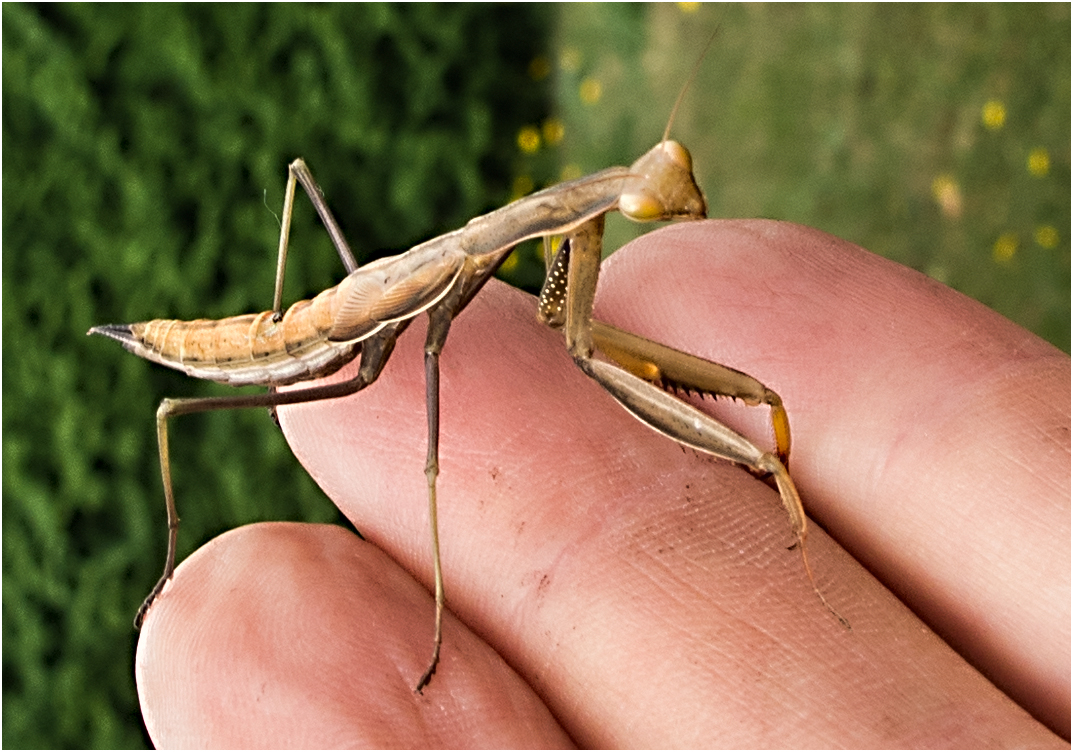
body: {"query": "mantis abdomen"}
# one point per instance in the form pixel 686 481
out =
pixel 238 350
pixel 312 338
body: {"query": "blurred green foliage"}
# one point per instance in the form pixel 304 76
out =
pixel 145 159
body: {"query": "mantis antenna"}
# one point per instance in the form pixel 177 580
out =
pixel 689 80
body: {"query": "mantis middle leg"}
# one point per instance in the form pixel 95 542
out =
pixel 440 317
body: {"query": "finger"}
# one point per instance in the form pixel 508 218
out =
pixel 931 435
pixel 645 592
pixel 304 636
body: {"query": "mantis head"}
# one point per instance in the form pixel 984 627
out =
pixel 661 186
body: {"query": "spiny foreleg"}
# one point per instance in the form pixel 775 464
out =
pixel 638 365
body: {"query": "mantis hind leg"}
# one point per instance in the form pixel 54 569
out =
pixel 298 172
pixel 374 355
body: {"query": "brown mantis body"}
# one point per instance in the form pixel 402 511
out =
pixel 363 316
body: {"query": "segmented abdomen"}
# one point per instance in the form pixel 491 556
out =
pixel 247 349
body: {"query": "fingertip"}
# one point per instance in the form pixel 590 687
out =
pixel 302 636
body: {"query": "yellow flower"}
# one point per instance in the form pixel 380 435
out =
pixel 570 172
pixel 1046 236
pixel 1038 162
pixel 590 90
pixel 523 185
pixel 509 263
pixel 948 195
pixel 552 130
pixel 529 139
pixel 1004 247
pixel 993 114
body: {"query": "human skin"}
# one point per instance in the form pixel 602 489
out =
pixel 641 595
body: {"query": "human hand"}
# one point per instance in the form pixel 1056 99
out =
pixel 641 595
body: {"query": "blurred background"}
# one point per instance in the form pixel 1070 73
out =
pixel 144 162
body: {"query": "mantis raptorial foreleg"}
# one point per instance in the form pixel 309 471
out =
pixel 677 371
pixel 639 364
pixel 658 364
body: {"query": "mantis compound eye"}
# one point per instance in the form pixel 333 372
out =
pixel 678 154
pixel 641 207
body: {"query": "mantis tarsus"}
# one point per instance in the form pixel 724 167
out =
pixel 363 316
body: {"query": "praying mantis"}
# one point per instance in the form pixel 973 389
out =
pixel 363 316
